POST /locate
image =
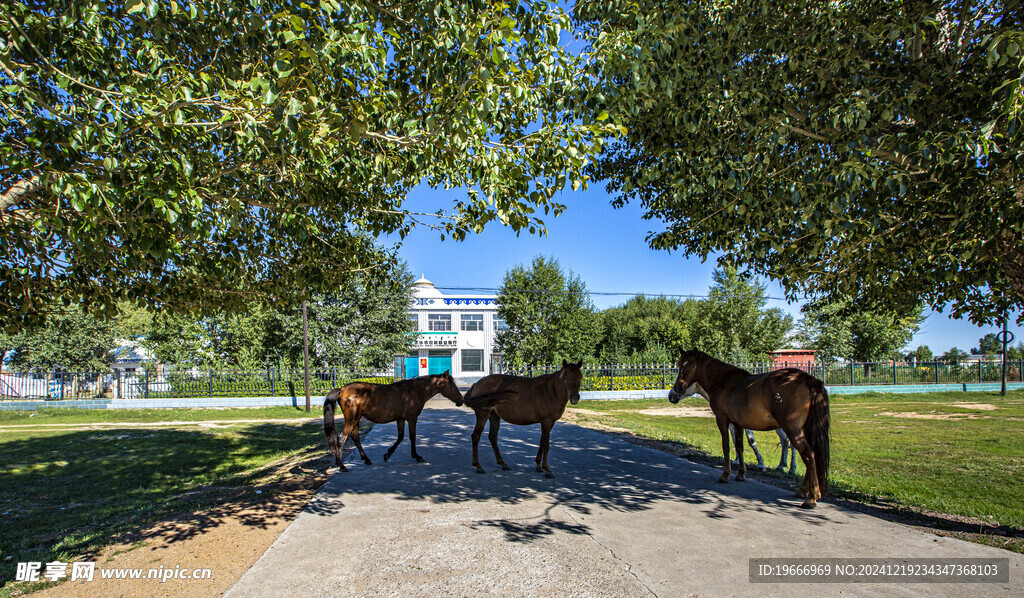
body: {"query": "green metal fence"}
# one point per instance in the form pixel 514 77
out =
pixel 662 376
pixel 154 383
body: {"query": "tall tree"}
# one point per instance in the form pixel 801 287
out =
pixel 954 355
pixel 837 329
pixel 72 340
pixel 856 149
pixel 734 323
pixel 362 324
pixel 648 330
pixel 549 314
pixel 199 154
pixel 988 345
pixel 921 354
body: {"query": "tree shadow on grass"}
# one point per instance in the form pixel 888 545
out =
pixel 65 495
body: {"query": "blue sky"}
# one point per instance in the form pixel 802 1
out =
pixel 606 247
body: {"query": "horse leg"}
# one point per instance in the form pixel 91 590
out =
pixel 401 435
pixel 787 449
pixel 545 446
pixel 492 435
pixel 359 445
pixel 784 443
pixel 732 431
pixel 481 421
pixel 341 445
pixel 741 470
pixel 412 440
pixel 809 491
pixel 753 446
pixel 723 427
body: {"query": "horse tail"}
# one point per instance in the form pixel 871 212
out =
pixel 489 400
pixel 330 403
pixel 816 429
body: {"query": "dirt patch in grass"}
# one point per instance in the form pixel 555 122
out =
pixel 942 524
pixel 681 411
pixel 978 406
pixel 946 416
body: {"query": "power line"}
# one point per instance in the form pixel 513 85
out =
pixel 611 294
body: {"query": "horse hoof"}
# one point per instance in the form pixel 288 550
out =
pixel 810 503
pixel 549 475
pixel 342 468
pixel 480 469
pixel 420 459
pixel 740 477
pixel 723 479
pixel 367 461
pixel 505 467
pixel 386 457
pixel 540 469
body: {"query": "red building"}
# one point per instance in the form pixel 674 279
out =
pixel 802 359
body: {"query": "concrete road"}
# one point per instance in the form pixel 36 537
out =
pixel 617 520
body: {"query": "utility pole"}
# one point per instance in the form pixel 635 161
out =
pixel 1006 338
pixel 305 351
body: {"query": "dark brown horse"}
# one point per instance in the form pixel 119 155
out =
pixel 381 403
pixel 523 401
pixel 790 399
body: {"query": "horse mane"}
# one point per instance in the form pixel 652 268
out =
pixel 715 369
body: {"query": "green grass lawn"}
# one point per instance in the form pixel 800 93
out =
pixel 93 416
pixel 919 450
pixel 67 493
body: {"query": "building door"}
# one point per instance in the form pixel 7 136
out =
pixel 438 362
pixel 412 365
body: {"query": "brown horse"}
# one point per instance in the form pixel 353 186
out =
pixel 523 401
pixel 790 399
pixel 381 403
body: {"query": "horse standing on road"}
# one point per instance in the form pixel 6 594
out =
pixel 790 399
pixel 381 403
pixel 523 401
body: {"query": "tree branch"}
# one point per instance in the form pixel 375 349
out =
pixel 20 191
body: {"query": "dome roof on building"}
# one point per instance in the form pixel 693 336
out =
pixel 425 288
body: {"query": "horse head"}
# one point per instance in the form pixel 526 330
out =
pixel 448 388
pixel 686 379
pixel 571 375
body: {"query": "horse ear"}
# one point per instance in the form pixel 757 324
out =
pixel 580 364
pixel 448 373
pixel 682 351
pixel 564 363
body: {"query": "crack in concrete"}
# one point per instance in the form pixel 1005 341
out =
pixel 629 567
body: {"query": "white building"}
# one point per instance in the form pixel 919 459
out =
pixel 453 332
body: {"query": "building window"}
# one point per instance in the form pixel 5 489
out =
pixel 472 360
pixel 414 323
pixel 472 322
pixel 499 324
pixel 439 322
